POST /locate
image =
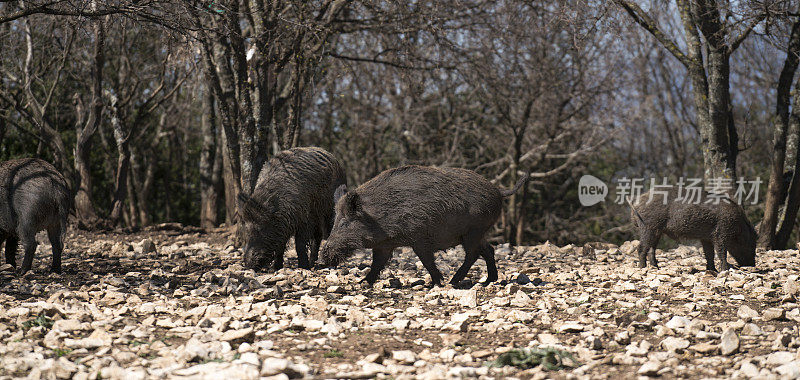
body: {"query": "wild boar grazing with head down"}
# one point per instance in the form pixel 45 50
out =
pixel 721 227
pixel 292 197
pixel 426 208
pixel 33 197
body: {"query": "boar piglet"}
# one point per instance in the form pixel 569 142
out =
pixel 721 228
pixel 33 197
pixel 293 196
pixel 426 208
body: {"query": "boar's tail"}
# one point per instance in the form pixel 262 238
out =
pixel 638 216
pixel 519 184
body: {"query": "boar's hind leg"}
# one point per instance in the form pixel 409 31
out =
pixel 56 235
pixel 380 256
pixel 472 248
pixel 484 250
pixel 29 245
pixel 11 251
pixel 487 252
pixel 426 255
pixel 708 252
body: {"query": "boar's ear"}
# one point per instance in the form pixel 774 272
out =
pixel 339 193
pixel 353 203
pixel 250 209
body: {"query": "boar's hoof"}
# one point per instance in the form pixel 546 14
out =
pixel 463 284
pixel 366 282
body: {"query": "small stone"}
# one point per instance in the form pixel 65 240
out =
pixel 751 329
pixel 789 370
pixel 704 348
pixel 678 322
pixel 375 357
pixel 773 314
pixel 622 337
pixel 749 369
pixel 67 325
pixel 729 342
pixel 746 313
pixel 594 343
pixel 571 327
pixel 238 336
pixel 148 246
pixel 674 344
pixel 404 356
pixel 521 299
pixel 400 324
pixel 650 368
pixel 522 279
pixel 780 358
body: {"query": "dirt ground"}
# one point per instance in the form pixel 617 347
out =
pixel 183 307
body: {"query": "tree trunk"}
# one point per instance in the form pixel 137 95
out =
pixel 792 203
pixel 84 208
pixel 230 185
pixel 123 161
pixel 776 188
pixel 719 161
pixel 208 191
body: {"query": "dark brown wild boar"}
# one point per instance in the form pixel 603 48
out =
pixel 721 228
pixel 427 208
pixel 292 197
pixel 33 197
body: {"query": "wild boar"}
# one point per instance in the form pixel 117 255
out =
pixel 427 208
pixel 721 228
pixel 33 197
pixel 293 196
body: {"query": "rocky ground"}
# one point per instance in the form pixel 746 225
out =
pixel 177 304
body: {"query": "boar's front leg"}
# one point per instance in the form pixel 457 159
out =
pixel 11 249
pixel 380 256
pixel 722 254
pixel 319 234
pixel 301 247
pixel 647 249
pixel 708 252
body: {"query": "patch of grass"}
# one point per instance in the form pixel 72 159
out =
pixel 333 354
pixel 59 352
pixel 41 320
pixel 549 358
pixel 136 343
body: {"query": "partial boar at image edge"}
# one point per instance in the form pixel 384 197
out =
pixel 721 228
pixel 293 196
pixel 426 208
pixel 33 197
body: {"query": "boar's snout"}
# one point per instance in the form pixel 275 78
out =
pixel 255 258
pixel 745 256
pixel 329 260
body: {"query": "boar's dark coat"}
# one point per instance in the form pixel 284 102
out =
pixel 426 208
pixel 292 197
pixel 33 197
pixel 721 228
